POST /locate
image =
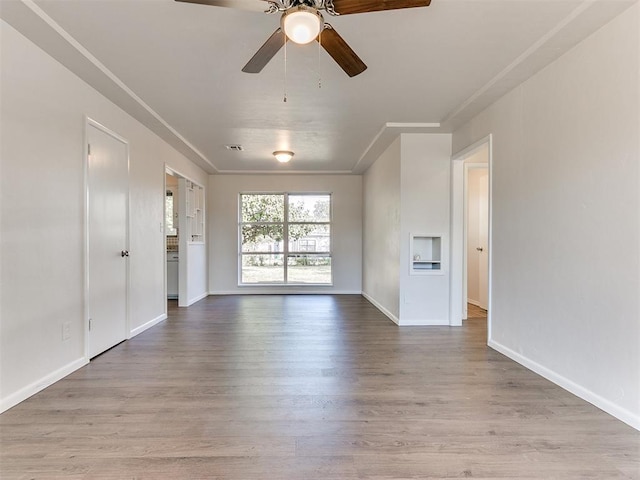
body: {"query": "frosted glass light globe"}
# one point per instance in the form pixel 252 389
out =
pixel 283 156
pixel 302 25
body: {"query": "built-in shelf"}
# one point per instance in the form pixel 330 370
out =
pixel 426 254
pixel 426 265
pixel 195 212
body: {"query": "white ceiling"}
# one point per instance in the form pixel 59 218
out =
pixel 176 67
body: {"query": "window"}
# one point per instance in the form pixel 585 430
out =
pixel 169 215
pixel 285 238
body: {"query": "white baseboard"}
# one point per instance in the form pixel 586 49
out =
pixel 35 387
pixel 148 325
pixel 198 298
pixel 417 322
pixel 420 322
pixel 391 316
pixel 193 300
pixel 611 408
pixel 282 291
pixel 476 303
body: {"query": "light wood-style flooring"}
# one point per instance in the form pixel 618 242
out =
pixel 475 312
pixel 309 388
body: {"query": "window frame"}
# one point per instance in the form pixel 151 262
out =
pixel 285 252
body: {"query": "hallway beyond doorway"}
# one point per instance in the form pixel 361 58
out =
pixel 474 312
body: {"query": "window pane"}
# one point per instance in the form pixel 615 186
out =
pixel 309 208
pixel 262 238
pixel 302 239
pixel 309 238
pixel 309 269
pixel 262 269
pixel 168 214
pixel 262 208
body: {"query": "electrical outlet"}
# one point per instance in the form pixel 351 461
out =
pixel 66 331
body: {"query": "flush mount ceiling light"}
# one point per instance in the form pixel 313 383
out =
pixel 302 24
pixel 283 156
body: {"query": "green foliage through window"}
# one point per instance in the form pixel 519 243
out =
pixel 273 227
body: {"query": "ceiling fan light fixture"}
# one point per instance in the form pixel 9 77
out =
pixel 302 24
pixel 283 156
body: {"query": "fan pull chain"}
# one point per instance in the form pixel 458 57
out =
pixel 319 48
pixel 285 71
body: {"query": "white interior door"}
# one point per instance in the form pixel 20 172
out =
pixel 108 205
pixel 483 238
pixel 477 235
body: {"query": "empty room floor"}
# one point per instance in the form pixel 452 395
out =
pixel 304 388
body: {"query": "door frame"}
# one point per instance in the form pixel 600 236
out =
pixel 465 241
pixel 89 122
pixel 183 241
pixel 458 232
pixel 182 245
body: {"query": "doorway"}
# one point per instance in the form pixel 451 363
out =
pixel 471 257
pixel 172 238
pixel 477 232
pixel 185 273
pixel 107 239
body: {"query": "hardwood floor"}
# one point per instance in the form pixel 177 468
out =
pixel 475 312
pixel 309 388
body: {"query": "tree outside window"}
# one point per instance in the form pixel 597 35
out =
pixel 285 238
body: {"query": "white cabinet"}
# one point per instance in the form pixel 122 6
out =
pixel 426 255
pixel 172 275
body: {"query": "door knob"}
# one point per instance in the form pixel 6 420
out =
pixel 480 249
pixel 124 253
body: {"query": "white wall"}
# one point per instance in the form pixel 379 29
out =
pixel 192 270
pixel 566 241
pixel 149 157
pixel 346 235
pixel 407 191
pixel 381 223
pixel 42 121
pixel 196 259
pixel 425 194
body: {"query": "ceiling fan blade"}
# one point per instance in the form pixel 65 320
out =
pixel 347 7
pixel 341 52
pixel 251 5
pixel 266 52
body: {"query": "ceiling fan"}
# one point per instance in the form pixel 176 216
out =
pixel 302 22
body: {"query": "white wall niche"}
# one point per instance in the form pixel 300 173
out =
pixel 425 253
